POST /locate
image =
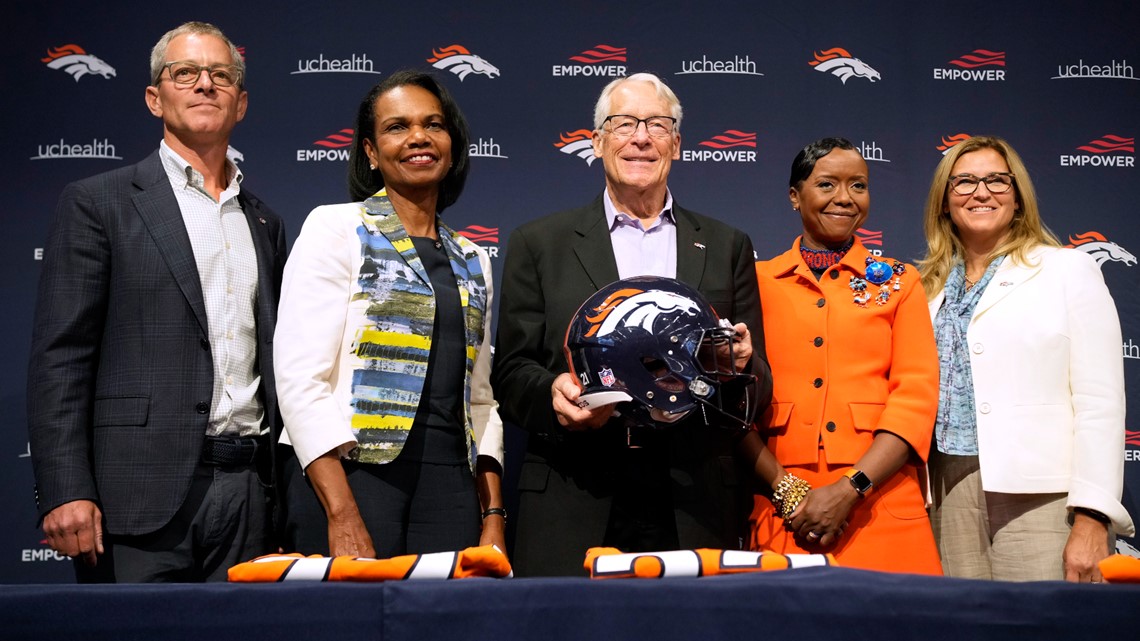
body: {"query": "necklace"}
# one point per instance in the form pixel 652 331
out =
pixel 969 283
pixel 823 258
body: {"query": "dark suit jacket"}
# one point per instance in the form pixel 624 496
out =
pixel 121 375
pixel 567 479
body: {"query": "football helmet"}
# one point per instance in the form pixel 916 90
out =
pixel 656 346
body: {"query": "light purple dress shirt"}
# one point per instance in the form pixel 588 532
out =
pixel 639 251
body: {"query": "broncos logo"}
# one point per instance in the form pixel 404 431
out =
pixel 1100 248
pixel 461 62
pixel 837 61
pixel 637 308
pixel 578 143
pixel 234 155
pixel 77 62
pixel 949 142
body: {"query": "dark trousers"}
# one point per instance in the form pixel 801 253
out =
pixel 409 507
pixel 225 520
pixel 641 514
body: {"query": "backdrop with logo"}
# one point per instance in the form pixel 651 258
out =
pixel 903 80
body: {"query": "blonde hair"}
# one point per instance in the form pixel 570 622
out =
pixel 943 246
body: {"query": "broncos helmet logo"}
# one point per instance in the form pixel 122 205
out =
pixel 838 62
pixel 461 62
pixel 77 62
pixel 578 143
pixel 637 308
pixel 1100 248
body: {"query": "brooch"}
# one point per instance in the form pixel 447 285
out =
pixel 888 278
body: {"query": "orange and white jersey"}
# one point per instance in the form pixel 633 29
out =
pixel 485 561
pixel 607 563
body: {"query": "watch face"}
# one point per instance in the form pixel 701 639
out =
pixel 860 480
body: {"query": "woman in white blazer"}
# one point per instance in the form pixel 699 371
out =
pixel 382 349
pixel 1027 466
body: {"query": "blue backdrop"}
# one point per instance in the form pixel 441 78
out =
pixel 903 80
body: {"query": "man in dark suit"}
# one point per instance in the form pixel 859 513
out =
pixel 581 485
pixel 151 403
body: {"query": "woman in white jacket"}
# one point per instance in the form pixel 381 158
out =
pixel 382 348
pixel 1027 466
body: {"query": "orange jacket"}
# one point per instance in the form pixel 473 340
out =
pixel 842 371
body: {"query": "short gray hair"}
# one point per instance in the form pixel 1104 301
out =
pixel 602 107
pixel 158 53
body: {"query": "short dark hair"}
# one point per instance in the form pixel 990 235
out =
pixel 364 181
pixel 804 163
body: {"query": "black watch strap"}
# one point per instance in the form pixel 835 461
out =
pixel 1093 514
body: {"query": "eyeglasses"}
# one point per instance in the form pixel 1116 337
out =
pixel 624 126
pixel 966 184
pixel 187 73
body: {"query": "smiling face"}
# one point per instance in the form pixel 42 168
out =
pixel 411 148
pixel 201 113
pixel 834 200
pixel 981 217
pixel 639 163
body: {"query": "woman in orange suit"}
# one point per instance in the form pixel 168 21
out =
pixel 855 370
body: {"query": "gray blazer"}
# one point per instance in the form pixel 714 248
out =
pixel 121 375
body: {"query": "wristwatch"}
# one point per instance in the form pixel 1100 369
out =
pixel 1093 514
pixel 860 481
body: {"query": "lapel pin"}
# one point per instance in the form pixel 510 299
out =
pixel 698 245
pixel 261 219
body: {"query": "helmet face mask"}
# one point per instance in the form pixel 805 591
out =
pixel 657 345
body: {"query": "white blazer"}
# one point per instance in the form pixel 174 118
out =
pixel 316 325
pixel 1048 367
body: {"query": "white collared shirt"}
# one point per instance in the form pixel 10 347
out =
pixel 227 268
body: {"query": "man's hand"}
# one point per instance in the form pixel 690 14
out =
pixel 565 392
pixel 742 348
pixel 76 529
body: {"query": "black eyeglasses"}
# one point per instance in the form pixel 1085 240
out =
pixel 187 73
pixel 624 126
pixel 997 183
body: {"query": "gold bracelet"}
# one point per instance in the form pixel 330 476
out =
pixel 788 493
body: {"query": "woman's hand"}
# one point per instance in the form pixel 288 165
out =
pixel 349 537
pixel 494 532
pixel 347 534
pixel 1087 545
pixel 821 517
pixel 488 484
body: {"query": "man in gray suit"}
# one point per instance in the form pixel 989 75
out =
pixel 151 403
pixel 580 484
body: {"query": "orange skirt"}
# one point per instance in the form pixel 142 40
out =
pixel 888 530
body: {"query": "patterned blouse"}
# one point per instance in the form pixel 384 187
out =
pixel 956 427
